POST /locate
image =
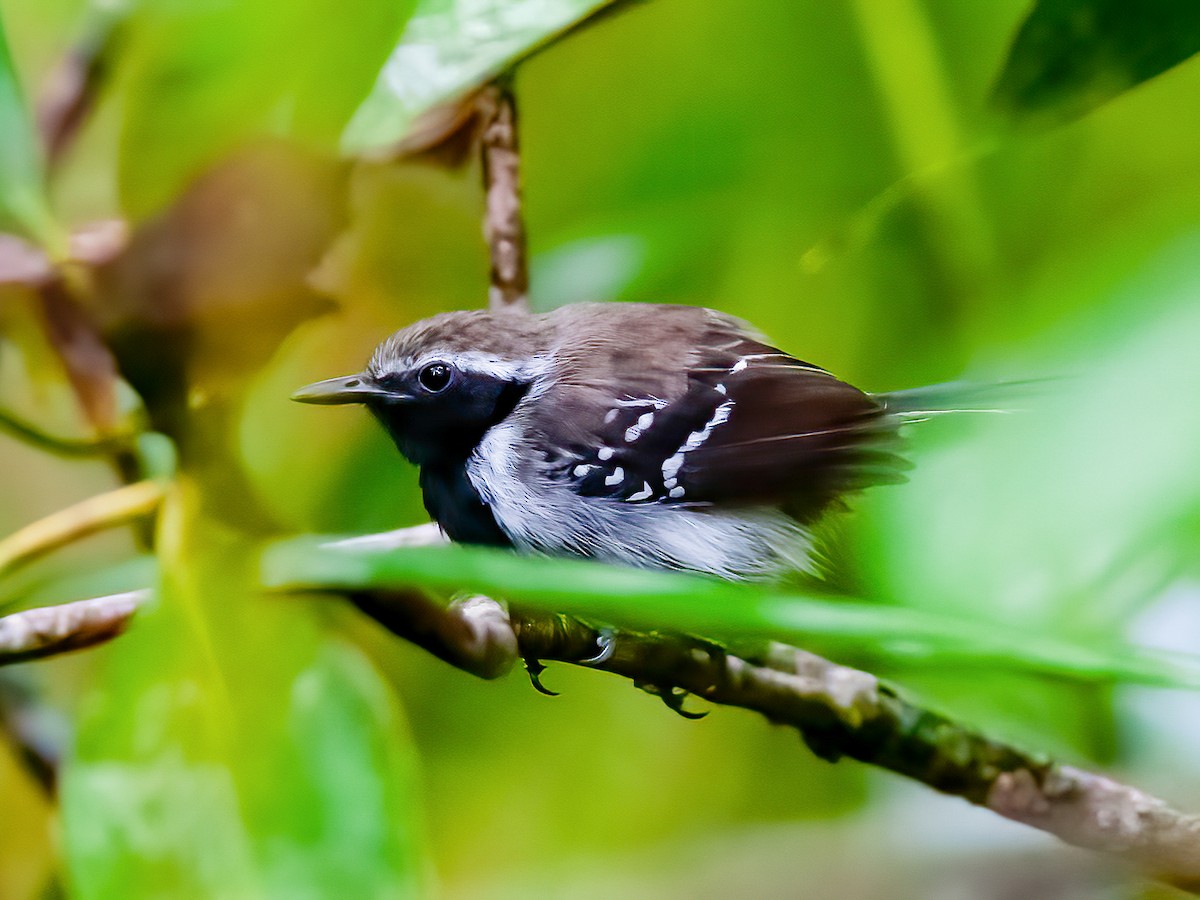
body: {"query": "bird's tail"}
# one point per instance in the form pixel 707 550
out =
pixel 917 404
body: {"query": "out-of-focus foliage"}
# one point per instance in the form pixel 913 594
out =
pixel 304 792
pixel 1070 56
pixel 835 173
pixel 22 201
pixel 451 46
pixel 230 71
pixel 720 610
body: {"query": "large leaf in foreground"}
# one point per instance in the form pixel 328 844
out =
pixel 721 610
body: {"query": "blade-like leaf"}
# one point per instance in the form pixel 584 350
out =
pixel 685 603
pixel 1071 56
pixel 23 201
pixel 449 47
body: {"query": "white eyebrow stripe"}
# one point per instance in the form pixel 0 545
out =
pixel 477 363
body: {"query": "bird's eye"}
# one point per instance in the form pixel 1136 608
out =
pixel 435 377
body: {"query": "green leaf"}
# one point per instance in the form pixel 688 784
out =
pixel 1067 515
pixel 23 201
pixel 1071 56
pixel 685 603
pixel 229 749
pixel 202 78
pixel 452 46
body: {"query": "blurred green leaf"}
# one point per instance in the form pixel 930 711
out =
pixel 229 749
pixel 1065 516
pixel 23 201
pixel 449 47
pixel 201 78
pixel 685 603
pixel 1071 56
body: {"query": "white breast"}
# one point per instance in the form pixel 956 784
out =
pixel 540 514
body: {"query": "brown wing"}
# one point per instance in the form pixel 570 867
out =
pixel 786 431
pixel 745 424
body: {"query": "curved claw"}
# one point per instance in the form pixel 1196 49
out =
pixel 673 698
pixel 534 669
pixel 606 640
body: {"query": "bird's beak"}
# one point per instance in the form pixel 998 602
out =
pixel 347 389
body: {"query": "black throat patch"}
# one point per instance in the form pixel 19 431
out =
pixel 452 501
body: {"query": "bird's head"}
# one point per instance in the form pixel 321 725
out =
pixel 440 384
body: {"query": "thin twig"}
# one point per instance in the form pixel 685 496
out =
pixel 71 447
pixel 51 630
pixel 503 226
pixel 119 507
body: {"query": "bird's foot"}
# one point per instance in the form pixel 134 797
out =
pixel 534 669
pixel 672 698
pixel 606 641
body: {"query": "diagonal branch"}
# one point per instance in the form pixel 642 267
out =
pixel 51 630
pixel 119 507
pixel 839 711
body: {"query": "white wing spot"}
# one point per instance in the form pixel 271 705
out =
pixel 604 454
pixel 582 469
pixel 720 389
pixel 669 483
pixel 610 415
pixel 616 477
pixel 672 465
pixel 645 493
pixel 633 432
pixel 676 493
pixel 739 366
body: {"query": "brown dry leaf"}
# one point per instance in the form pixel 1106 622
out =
pixel 72 333
pixel 89 363
pixel 206 291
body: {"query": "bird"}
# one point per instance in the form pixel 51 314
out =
pixel 659 436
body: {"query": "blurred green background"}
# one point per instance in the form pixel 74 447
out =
pixel 888 188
